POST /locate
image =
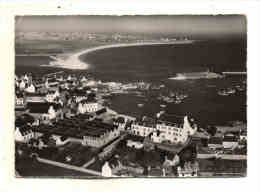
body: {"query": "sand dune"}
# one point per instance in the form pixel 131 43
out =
pixel 73 61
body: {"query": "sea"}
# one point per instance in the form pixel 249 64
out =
pixel 155 64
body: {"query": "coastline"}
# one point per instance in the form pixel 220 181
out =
pixel 73 61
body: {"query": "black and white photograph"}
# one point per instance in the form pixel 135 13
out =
pixel 113 96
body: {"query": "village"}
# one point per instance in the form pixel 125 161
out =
pixel 63 120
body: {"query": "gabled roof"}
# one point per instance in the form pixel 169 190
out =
pixel 41 107
pixel 24 119
pixel 19 94
pixel 103 110
pixel 24 130
pixel 78 92
pixel 215 140
pixel 228 138
pixel 146 121
pixel 172 118
pixel 52 80
pixel 243 133
pixel 89 100
pixel 35 94
pixel 120 120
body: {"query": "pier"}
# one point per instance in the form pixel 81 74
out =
pixel 234 73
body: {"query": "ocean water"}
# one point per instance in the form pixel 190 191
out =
pixel 156 64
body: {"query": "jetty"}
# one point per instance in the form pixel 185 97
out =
pixel 234 73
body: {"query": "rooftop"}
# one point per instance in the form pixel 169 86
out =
pixel 77 127
pixel 172 118
pixel 215 140
pixel 24 130
pixel 41 107
pixel 230 138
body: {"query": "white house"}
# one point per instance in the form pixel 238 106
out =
pixel 134 144
pixel 60 140
pixel 143 127
pixel 52 95
pixel 19 100
pixel 243 136
pixel 215 143
pixel 189 169
pixel 79 95
pixel 34 97
pixel 44 111
pixel 173 132
pixel 88 106
pixel 98 134
pixel 172 162
pixel 23 134
pixel 83 79
pixel 120 122
pixel 51 82
pixel 230 141
pixel 26 78
pixel 106 170
pixel 51 113
pixel 22 85
pixel 30 89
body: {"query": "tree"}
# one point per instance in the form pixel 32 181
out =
pixel 212 130
pixel 46 137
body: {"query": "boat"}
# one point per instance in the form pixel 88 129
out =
pixel 197 75
pixel 140 105
pixel 177 101
pixel 231 91
pixel 223 93
pixel 227 92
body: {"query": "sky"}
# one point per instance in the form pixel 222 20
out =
pixel 189 25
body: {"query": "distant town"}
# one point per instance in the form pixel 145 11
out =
pixel 63 120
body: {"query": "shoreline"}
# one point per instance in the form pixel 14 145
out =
pixel 74 62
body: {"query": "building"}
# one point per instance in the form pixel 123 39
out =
pixel 120 122
pixel 97 134
pixel 188 170
pixel 45 112
pixel 78 95
pixel 106 170
pixel 52 95
pixel 171 161
pixel 165 129
pixel 30 89
pixel 143 127
pixel 34 97
pixel 51 82
pixel 23 134
pixel 243 135
pixel 19 100
pixel 230 141
pixel 215 143
pixel 121 168
pixel 88 106
pixel 134 144
pixel 173 132
pixel 81 129
pixel 22 85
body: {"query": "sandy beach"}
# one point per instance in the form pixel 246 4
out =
pixel 73 61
